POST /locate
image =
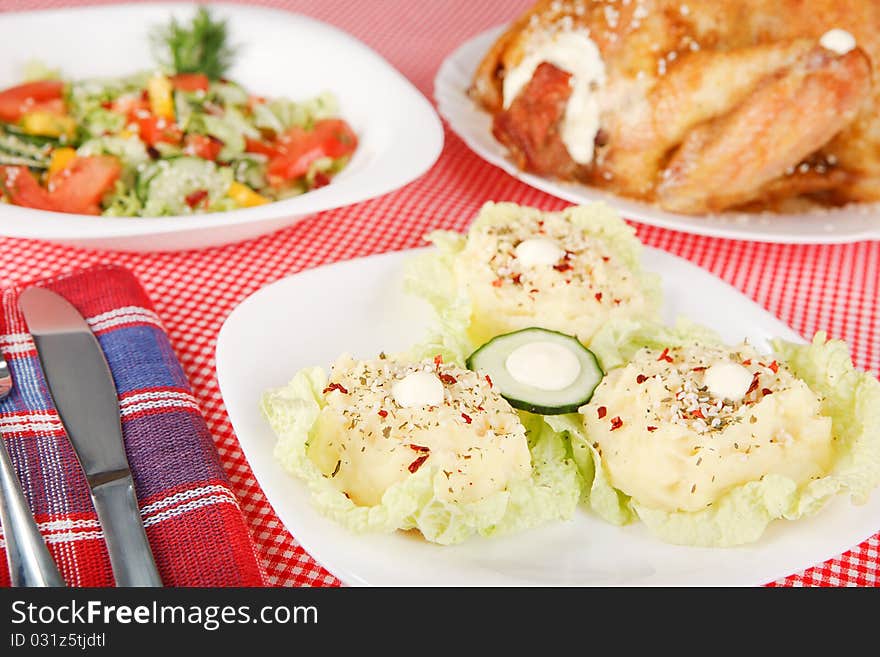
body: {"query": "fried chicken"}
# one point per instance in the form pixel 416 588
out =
pixel 698 106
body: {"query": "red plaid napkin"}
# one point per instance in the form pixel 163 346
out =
pixel 192 518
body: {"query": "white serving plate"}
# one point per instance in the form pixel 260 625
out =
pixel 281 54
pixel 850 224
pixel 359 307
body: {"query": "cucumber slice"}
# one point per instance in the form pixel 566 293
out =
pixel 539 371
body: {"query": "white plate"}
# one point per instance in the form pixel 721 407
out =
pixel 359 307
pixel 850 224
pixel 281 54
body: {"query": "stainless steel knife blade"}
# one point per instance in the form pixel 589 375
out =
pixel 85 396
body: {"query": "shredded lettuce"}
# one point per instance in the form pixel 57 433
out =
pixel 229 93
pixel 231 129
pixel 123 202
pixel 87 95
pixel 249 169
pixel 851 399
pixel 130 150
pixel 551 493
pixel 35 70
pixel 164 185
pixel 281 114
pixel 98 121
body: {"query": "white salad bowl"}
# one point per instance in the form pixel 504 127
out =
pixel 279 54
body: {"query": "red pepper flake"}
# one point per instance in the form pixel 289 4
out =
pixel 598 296
pixel 698 413
pixel 415 465
pixel 754 385
pixel 448 379
pixel 605 258
pixel 489 381
pixel 665 356
pixel 321 180
pixel 774 367
pixel 383 413
pixel 533 291
pixel 466 418
pixel 194 199
pixel 601 411
pixel 616 423
pixel 480 408
pixel 336 386
pixel 438 360
pixel 652 429
pixel 698 369
pixel 419 448
pixel 641 378
pixel 517 279
pixel 748 361
pixel 562 266
pixel 617 303
pixel 497 282
pixel 766 391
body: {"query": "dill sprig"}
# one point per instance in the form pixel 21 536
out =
pixel 199 47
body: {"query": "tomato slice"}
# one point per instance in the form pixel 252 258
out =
pixel 197 198
pixel 15 101
pixel 190 82
pixel 202 146
pixel 154 130
pixel 298 149
pixel 82 185
pixel 78 189
pixel 337 137
pixel 261 147
pixel 130 106
pixel 24 189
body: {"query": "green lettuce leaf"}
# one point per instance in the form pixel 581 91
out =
pixel 551 493
pixel 281 114
pixel 849 397
pixel 432 275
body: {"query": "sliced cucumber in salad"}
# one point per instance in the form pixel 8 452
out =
pixel 539 371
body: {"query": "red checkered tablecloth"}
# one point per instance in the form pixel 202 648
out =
pixel 809 287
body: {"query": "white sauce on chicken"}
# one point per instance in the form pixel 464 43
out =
pixel 575 53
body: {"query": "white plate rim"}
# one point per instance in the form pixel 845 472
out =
pixel 458 111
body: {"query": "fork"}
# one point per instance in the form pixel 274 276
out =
pixel 30 563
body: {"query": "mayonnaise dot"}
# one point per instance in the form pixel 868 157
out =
pixel 544 365
pixel 838 41
pixel 728 381
pixel 418 389
pixel 538 251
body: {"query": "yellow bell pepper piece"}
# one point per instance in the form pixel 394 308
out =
pixel 46 124
pixel 61 159
pixel 125 133
pixel 245 196
pixel 160 91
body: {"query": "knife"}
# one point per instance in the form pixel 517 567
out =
pixel 84 393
